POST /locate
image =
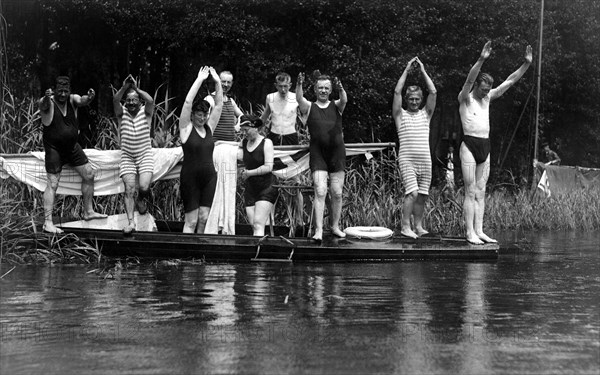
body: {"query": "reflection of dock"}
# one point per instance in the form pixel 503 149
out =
pixel 169 241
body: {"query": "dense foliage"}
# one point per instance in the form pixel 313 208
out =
pixel 365 43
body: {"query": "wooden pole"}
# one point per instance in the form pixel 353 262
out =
pixel 537 101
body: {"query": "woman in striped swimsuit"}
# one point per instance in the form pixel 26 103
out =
pixel 412 125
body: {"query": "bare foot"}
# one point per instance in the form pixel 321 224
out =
pixel 130 228
pixel 318 235
pixel 421 232
pixel 94 216
pixel 51 228
pixel 474 240
pixel 484 237
pixel 408 233
pixel 338 232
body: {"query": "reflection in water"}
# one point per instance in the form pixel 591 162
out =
pixel 533 312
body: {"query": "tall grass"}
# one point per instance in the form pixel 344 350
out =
pixel 373 196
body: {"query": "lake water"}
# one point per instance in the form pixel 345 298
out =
pixel 534 312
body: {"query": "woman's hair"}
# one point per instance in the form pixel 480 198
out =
pixel 410 90
pixel 251 121
pixel 201 106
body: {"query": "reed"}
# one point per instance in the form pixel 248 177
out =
pixel 372 196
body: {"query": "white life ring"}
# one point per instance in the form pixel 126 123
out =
pixel 373 233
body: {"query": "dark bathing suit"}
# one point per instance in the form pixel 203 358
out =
pixel 479 147
pixel 283 139
pixel 327 148
pixel 198 176
pixel 60 140
pixel 258 188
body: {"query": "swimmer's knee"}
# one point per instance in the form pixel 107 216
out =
pixel 89 174
pixel 412 195
pixel 320 191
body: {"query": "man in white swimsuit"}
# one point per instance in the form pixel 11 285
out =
pixel 474 101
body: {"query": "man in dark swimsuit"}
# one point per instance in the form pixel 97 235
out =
pixel 61 129
pixel 327 148
pixel 474 102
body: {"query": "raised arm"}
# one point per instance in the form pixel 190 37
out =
pixel 397 103
pixel 185 119
pixel 118 96
pixel 432 96
pixel 266 115
pixel 215 113
pixel 148 100
pixel 46 107
pixel 343 100
pixel 303 104
pixel 514 77
pixel 466 89
pixel 80 101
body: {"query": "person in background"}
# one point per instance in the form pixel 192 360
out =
pixel 327 148
pixel 550 157
pixel 412 125
pixel 198 174
pixel 137 161
pixel 257 154
pixel 221 217
pixel 58 111
pixel 280 114
pixel 230 113
pixel 474 102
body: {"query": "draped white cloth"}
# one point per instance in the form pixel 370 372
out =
pixel 222 212
pixel 29 169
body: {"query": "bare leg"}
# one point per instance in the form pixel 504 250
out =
pixel 320 185
pixel 337 190
pixel 203 212
pixel 87 191
pixel 49 196
pixel 262 211
pixel 469 168
pixel 418 212
pixel 299 214
pixel 407 210
pixel 144 192
pixel 483 172
pixel 250 214
pixel 129 182
pixel 191 221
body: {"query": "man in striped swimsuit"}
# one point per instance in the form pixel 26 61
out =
pixel 222 213
pixel 225 130
pixel 137 162
pixel 412 125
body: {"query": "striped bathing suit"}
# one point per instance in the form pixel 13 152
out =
pixel 414 155
pixel 225 128
pixel 136 149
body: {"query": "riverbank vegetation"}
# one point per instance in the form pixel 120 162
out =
pixel 365 44
pixel 372 196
